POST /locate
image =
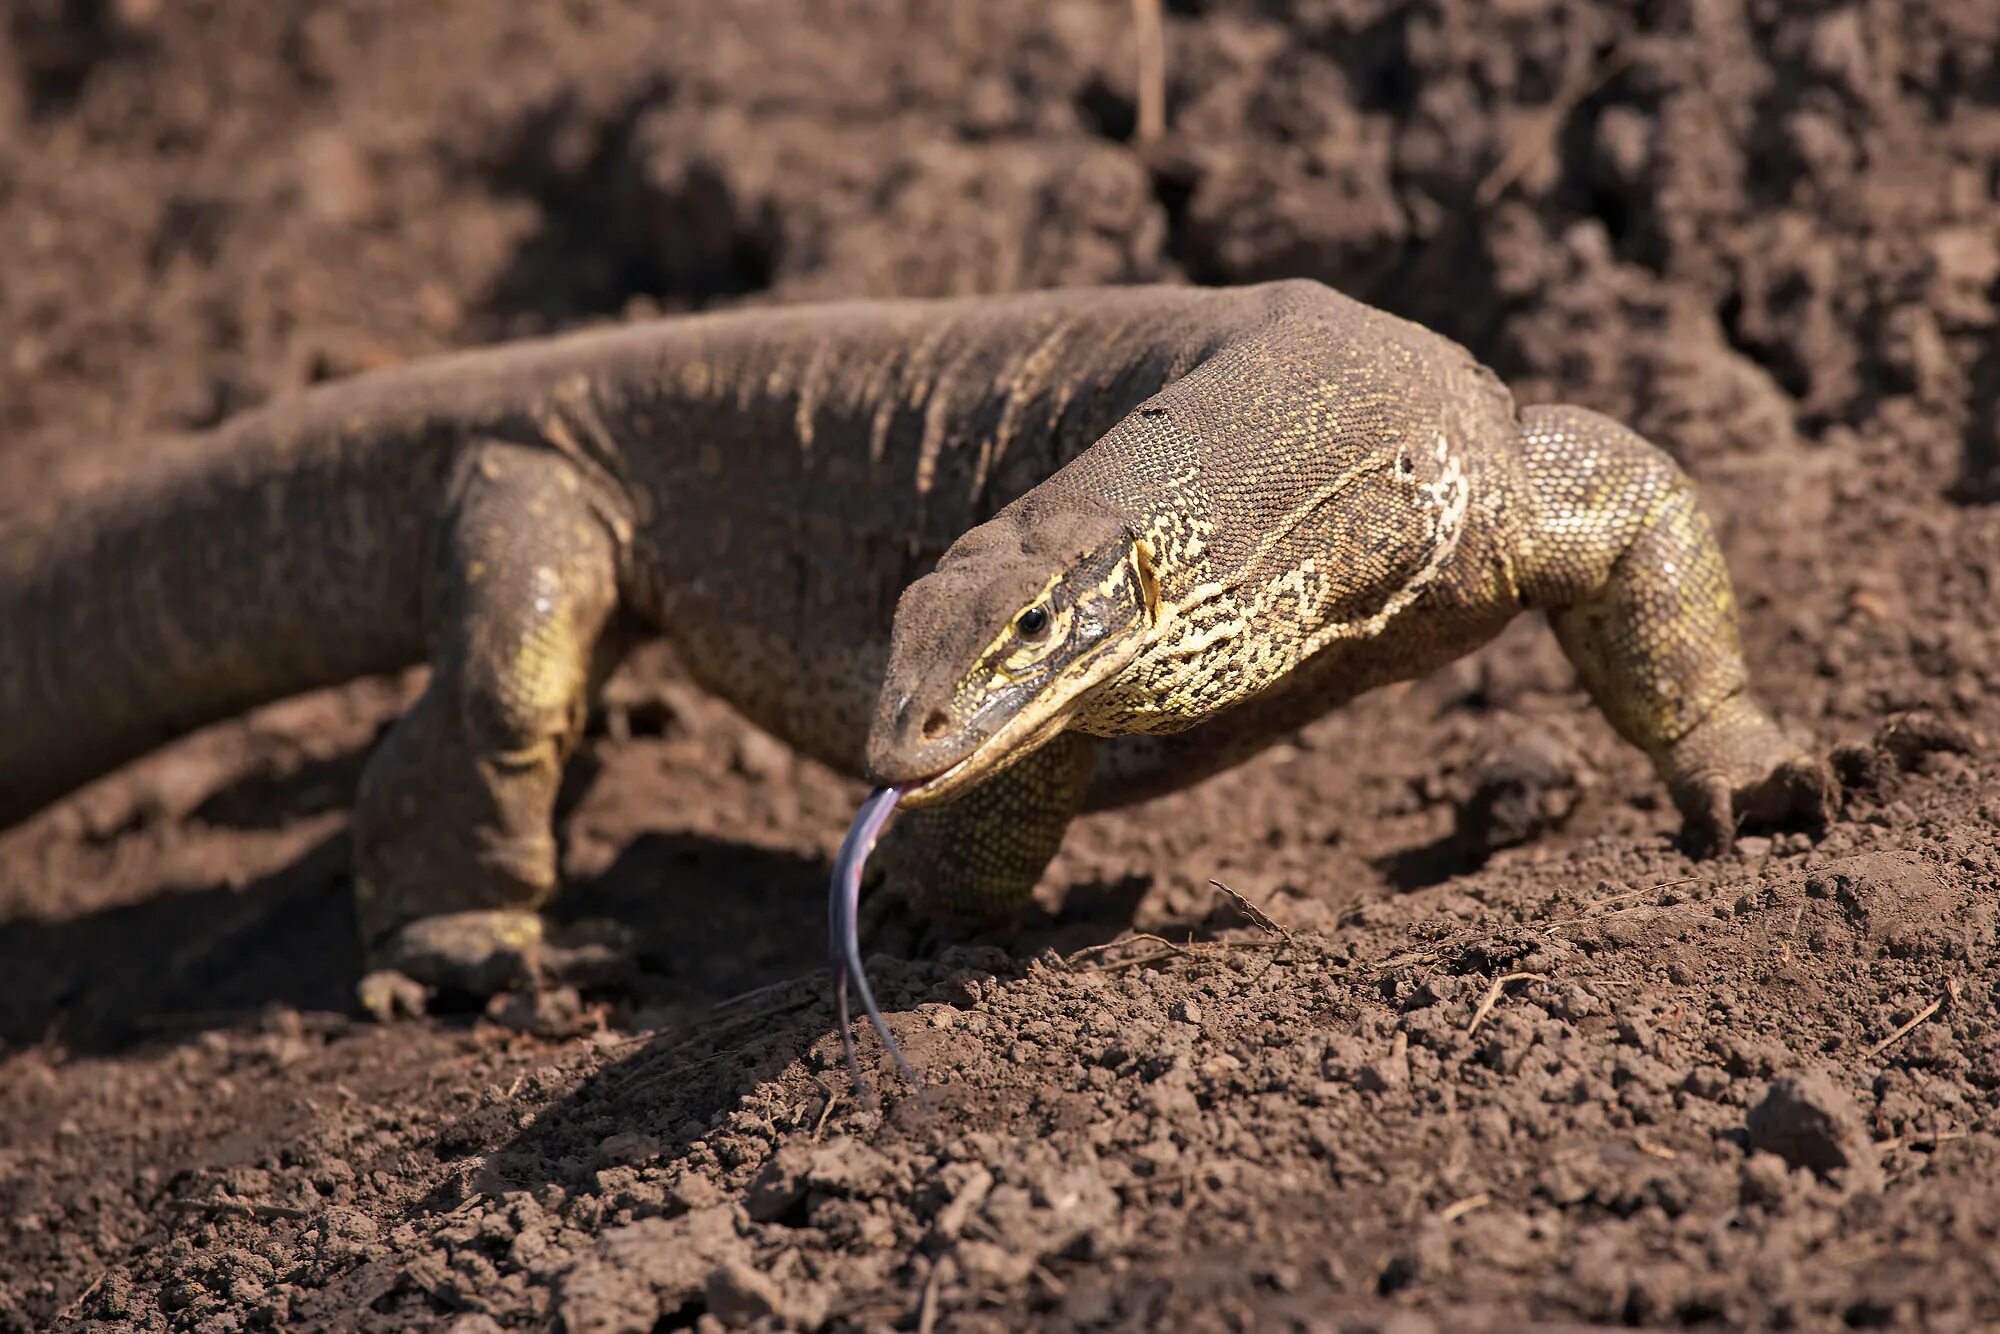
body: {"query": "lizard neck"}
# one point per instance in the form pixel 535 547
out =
pixel 273 565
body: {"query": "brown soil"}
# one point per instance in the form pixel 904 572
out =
pixel 1544 1070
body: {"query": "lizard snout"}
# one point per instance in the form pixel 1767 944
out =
pixel 914 739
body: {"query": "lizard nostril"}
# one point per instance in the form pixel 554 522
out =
pixel 935 724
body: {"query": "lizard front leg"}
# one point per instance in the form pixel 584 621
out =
pixel 454 850
pixel 977 859
pixel 1621 556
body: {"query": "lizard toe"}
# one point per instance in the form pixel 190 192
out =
pixel 1708 817
pixel 1738 770
pixel 1798 792
pixel 1801 791
pixel 474 954
pixel 589 952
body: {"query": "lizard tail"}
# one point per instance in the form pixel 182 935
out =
pixel 286 557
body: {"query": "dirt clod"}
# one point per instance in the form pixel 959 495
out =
pixel 1809 1121
pixel 738 1295
pixel 1522 791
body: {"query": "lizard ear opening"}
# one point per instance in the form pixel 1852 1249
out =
pixel 1149 578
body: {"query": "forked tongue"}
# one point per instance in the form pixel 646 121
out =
pixel 844 930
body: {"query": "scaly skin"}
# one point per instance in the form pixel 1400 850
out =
pixel 1297 497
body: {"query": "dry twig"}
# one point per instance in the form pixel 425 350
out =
pixel 927 1309
pixel 1250 910
pixel 1431 952
pixel 1911 1141
pixel 1110 945
pixel 1264 923
pixel 1904 1031
pixel 263 1212
pixel 731 1002
pixel 1458 1209
pixel 1538 137
pixel 1492 997
pixel 76 1303
pixel 819 1126
pixel 1149 35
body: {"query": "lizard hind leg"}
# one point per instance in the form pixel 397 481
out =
pixel 977 859
pixel 454 846
pixel 1634 583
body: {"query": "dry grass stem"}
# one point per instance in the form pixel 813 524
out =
pixel 1109 945
pixel 1250 910
pixel 1150 37
pixel 263 1212
pixel 1912 1141
pixel 1492 997
pixel 927 1307
pixel 1904 1031
pixel 819 1126
pixel 740 997
pixel 1458 1209
pixel 1538 135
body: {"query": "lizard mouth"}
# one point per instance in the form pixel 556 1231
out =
pixel 993 756
pixel 1034 725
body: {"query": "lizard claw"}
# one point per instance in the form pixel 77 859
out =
pixel 482 953
pixel 1747 775
pixel 478 954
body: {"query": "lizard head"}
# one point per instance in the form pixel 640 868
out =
pixel 994 650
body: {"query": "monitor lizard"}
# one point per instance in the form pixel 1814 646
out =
pixel 1020 556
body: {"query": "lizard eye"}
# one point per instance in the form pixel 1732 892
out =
pixel 1032 623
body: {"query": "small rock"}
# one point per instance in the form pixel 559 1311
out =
pixel 778 1189
pixel 1186 1011
pixel 1809 1121
pixel 627 1149
pixel 1436 990
pixel 1390 1072
pixel 1706 1081
pixel 1906 743
pixel 1861 767
pixel 474 1322
pixel 737 1295
pixel 1897 901
pixel 1746 1054
pixel 1766 1180
pixel 986 1264
pixel 337 183
pixel 695 1191
pixel 639 1272
pixel 842 1166
pixel 761 757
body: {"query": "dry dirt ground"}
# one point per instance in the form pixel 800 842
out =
pixel 1574 1081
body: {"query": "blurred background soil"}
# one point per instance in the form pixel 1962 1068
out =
pixel 1508 1057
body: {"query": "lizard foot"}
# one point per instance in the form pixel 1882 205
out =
pixel 481 953
pixel 1737 769
pixel 473 954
